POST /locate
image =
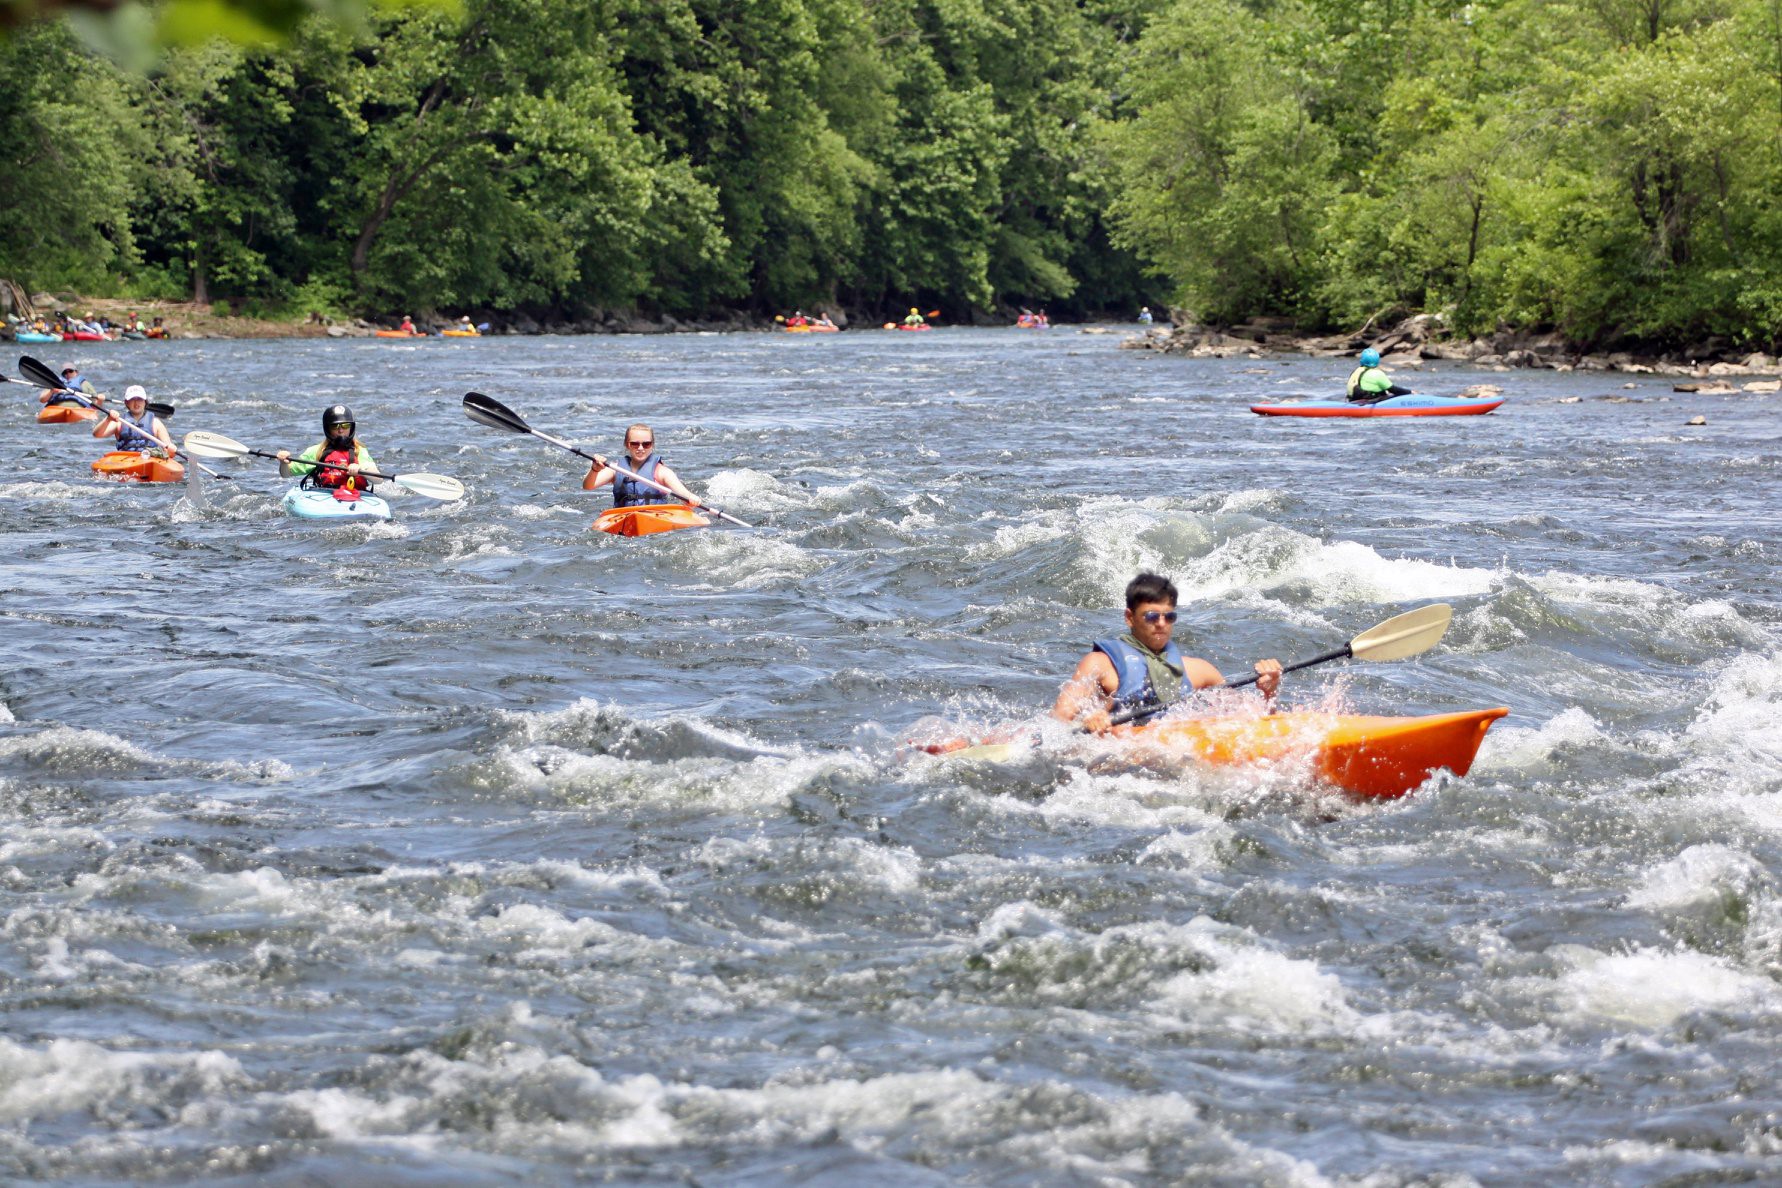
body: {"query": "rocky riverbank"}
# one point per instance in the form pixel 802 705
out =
pixel 1422 338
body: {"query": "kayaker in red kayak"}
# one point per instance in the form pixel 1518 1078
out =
pixel 640 456
pixel 334 462
pixel 1142 667
pixel 136 428
pixel 1369 384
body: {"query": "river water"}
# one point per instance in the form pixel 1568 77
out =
pixel 476 848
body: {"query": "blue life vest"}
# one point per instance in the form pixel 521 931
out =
pixel 628 492
pixel 1135 675
pixel 136 434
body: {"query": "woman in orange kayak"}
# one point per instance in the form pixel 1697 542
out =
pixel 335 461
pixel 136 428
pixel 1142 667
pixel 640 447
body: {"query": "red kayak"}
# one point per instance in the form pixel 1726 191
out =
pixel 1410 405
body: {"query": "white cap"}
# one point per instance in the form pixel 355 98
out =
pixel 135 392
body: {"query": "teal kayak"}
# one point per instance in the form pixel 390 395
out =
pixel 307 503
pixel 33 336
pixel 1414 404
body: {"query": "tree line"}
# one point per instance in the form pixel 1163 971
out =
pixel 1606 169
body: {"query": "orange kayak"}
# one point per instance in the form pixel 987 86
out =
pixel 65 414
pixel 133 466
pixel 396 334
pixel 644 519
pixel 1359 753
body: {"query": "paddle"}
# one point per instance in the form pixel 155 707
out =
pixel 433 486
pixel 42 374
pixel 486 410
pixel 1401 636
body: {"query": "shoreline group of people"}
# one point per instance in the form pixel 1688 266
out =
pixel 93 327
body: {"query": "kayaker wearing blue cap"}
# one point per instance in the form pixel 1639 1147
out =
pixel 1142 667
pixel 640 447
pixel 136 428
pixel 1368 384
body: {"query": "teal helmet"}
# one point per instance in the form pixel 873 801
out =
pixel 1370 358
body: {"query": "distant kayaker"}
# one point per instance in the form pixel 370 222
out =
pixel 71 379
pixel 408 325
pixel 1144 317
pixel 1368 384
pixel 136 428
pixel 335 461
pixel 1142 667
pixel 915 318
pixel 466 325
pixel 640 458
pixel 157 330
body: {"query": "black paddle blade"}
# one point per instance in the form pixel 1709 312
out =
pixel 486 410
pixel 161 410
pixel 37 373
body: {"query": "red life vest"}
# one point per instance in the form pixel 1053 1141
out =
pixel 330 472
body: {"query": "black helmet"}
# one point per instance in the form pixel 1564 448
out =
pixel 340 414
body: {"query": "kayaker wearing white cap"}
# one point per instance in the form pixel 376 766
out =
pixel 1142 667
pixel 136 428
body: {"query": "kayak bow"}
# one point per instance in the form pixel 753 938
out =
pixel 648 518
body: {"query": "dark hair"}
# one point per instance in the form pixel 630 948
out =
pixel 1149 587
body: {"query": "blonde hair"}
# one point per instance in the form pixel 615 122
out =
pixel 645 428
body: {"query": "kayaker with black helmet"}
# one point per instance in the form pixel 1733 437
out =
pixel 1368 384
pixel 334 462
pixel 1144 666
pixel 640 458
pixel 136 428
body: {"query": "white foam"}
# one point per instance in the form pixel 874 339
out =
pixel 1651 988
pixel 545 928
pixel 68 1075
pixel 1343 571
pixel 1699 879
pixel 1520 748
pixel 63 747
pixel 1251 988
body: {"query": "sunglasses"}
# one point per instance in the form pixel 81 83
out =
pixel 1159 616
pixel 341 427
pixel 650 442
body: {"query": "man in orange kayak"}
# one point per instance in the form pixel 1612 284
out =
pixel 640 447
pixel 71 379
pixel 1142 667
pixel 136 428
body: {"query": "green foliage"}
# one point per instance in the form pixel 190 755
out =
pixel 1606 168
